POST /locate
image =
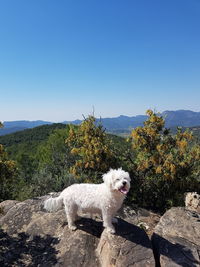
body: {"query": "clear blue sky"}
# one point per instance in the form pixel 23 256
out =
pixel 59 58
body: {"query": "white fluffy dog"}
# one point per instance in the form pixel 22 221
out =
pixel 105 198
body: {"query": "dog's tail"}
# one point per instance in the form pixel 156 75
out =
pixel 53 204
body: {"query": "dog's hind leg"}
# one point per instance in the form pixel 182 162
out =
pixel 71 213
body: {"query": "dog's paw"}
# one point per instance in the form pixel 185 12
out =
pixel 72 227
pixel 110 230
pixel 114 220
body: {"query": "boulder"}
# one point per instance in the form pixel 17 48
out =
pixel 130 247
pixel 176 238
pixel 192 201
pixel 30 236
pixel 6 205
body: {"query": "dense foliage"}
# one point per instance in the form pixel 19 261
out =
pixel 29 139
pixel 162 165
pixel 165 165
pixel 91 147
pixel 8 173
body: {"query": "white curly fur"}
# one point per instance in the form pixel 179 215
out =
pixel 105 198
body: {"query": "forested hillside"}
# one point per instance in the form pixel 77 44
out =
pixel 29 139
pixel 162 164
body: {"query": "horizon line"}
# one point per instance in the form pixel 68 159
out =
pixel 62 121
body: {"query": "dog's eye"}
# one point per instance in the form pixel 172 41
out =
pixel 117 179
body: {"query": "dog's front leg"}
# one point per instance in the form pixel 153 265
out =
pixel 107 222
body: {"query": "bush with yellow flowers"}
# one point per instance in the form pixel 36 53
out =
pixel 91 148
pixel 165 165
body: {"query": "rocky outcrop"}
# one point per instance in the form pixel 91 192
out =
pixel 192 201
pixel 130 247
pixel 176 239
pixel 6 205
pixel 30 236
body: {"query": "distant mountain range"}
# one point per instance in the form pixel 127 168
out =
pixel 185 118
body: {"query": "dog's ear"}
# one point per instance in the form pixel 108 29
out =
pixel 107 178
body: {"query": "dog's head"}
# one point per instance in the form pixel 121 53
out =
pixel 117 180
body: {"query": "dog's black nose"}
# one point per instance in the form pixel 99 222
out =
pixel 124 183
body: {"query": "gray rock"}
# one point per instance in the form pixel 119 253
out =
pixel 30 236
pixel 6 205
pixel 192 201
pixel 130 247
pixel 176 239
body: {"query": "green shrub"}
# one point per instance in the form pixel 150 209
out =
pixel 165 165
